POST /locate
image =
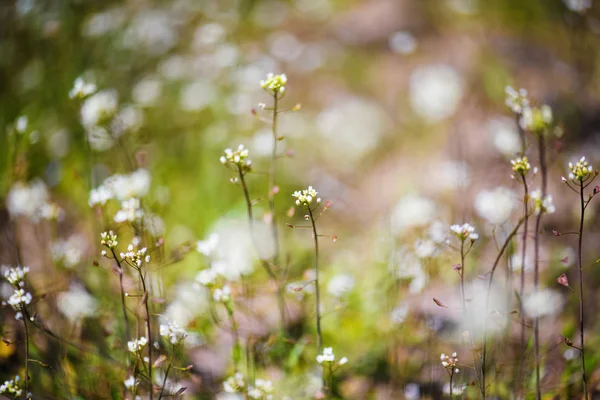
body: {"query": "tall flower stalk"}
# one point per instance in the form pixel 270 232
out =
pixel 307 199
pixel 581 176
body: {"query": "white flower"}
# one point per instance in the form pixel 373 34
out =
pixel 262 390
pixel 172 332
pixel 137 345
pixel 208 246
pixel 449 362
pixel 399 314
pixel 536 119
pixel 578 6
pixel 76 303
pixel 130 211
pixel 410 212
pixel 274 83
pixel 517 101
pixel 99 107
pixel 238 158
pixel 581 171
pixel 305 197
pixel 435 91
pixel 109 239
pixel 222 294
pixel 15 276
pixel 11 387
pixel 544 205
pixel 340 285
pixel 234 384
pixel 464 232
pixel 19 298
pixel 329 358
pixel 27 200
pixel 68 252
pixel 206 277
pixel 131 383
pixel 495 205
pixel 81 89
pixel 424 248
pixel 21 124
pixel 543 303
pixel 521 165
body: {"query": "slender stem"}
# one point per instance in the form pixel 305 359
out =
pixel 538 221
pixel 25 318
pixel 149 331
pixel 236 336
pixel 451 376
pixel 162 389
pixel 272 171
pixel 487 300
pixel 317 296
pixel 580 269
pixel 265 263
pixel 462 276
pixel 522 286
pixel 126 319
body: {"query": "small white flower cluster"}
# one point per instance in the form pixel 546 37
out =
pixel 464 232
pixel 136 257
pixel 11 387
pixel 82 89
pixel 137 345
pixel 328 358
pixel 542 205
pixel 521 165
pixel 222 294
pixel 274 83
pixel 31 200
pixel 239 158
pixel 234 384
pixel 131 383
pixel 536 119
pixel 581 170
pixel 450 362
pixel 262 390
pixel 109 239
pixel 68 252
pixel 305 197
pixel 123 187
pixel 16 276
pixel 130 211
pixel 517 101
pixel 19 298
pixel 172 332
pixel 206 277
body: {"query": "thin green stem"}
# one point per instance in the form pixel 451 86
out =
pixel 149 331
pixel 487 300
pixel 522 283
pixel 25 318
pixel 317 295
pixel 162 389
pixel 123 306
pixel 580 269
pixel 272 181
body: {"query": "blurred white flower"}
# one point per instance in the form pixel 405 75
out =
pixel 76 303
pixel 402 42
pixel 130 211
pixel 543 303
pixel 464 232
pixel 410 212
pixel 412 391
pixel 171 331
pixel 81 89
pixel 579 6
pixel 542 205
pixel 399 314
pixel 404 264
pixel 27 199
pixel 340 285
pixel 99 107
pixel 69 251
pixel 188 303
pixel 505 135
pixel 151 30
pixel 425 248
pixel 435 91
pixel 496 205
pixel 197 95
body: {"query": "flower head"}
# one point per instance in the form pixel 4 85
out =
pixel 134 256
pixel 542 205
pixel 11 387
pixel 464 232
pixel 238 158
pixel 172 332
pixel 222 294
pixel 517 101
pixel 19 298
pixel 450 362
pixel 81 89
pixel 581 171
pixel 109 239
pixel 137 345
pixel 520 166
pixel 274 83
pixel 16 276
pixel 536 119
pixel 234 384
pixel 305 197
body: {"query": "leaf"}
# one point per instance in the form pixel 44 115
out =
pixel 439 303
pixel 563 280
